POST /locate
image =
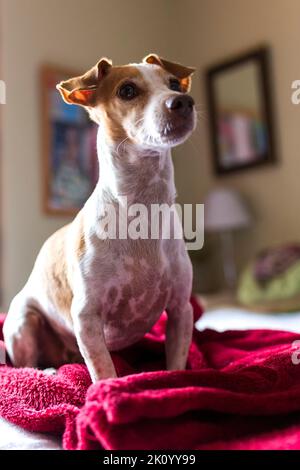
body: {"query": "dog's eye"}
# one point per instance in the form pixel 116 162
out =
pixel 128 91
pixel 174 84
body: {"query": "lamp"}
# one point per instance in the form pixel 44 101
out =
pixel 224 212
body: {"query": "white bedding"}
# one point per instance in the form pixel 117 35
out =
pixel 233 318
pixel 13 437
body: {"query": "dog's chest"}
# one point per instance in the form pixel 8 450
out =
pixel 133 292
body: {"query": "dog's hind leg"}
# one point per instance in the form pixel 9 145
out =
pixel 21 332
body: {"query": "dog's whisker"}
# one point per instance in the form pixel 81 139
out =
pixel 193 145
pixel 139 120
pixel 121 143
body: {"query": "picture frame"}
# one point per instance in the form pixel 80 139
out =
pixel 240 111
pixel 70 163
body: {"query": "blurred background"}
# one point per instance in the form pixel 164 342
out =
pixel 73 35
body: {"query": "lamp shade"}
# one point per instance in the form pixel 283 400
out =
pixel 224 209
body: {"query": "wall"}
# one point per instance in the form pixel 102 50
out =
pixel 213 30
pixel 74 34
pixel 195 32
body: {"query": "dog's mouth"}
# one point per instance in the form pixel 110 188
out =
pixel 176 132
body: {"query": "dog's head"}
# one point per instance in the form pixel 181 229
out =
pixel 147 103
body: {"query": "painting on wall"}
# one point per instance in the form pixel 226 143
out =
pixel 69 148
pixel 239 105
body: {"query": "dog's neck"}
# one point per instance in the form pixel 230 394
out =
pixel 142 176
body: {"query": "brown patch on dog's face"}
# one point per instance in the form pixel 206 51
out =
pixel 131 106
pixel 113 109
pixel 131 102
pixel 181 72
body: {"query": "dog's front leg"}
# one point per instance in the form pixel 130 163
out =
pixel 178 335
pixel 88 329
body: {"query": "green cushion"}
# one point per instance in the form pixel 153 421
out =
pixel 283 290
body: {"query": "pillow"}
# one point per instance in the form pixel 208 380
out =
pixel 280 293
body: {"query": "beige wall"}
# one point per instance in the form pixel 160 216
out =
pixel 214 30
pixel 197 32
pixel 74 34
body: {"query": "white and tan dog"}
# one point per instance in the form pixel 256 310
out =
pixel 87 294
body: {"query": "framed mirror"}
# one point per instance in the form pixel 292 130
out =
pixel 240 112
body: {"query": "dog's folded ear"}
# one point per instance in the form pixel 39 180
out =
pixel 182 72
pixel 82 90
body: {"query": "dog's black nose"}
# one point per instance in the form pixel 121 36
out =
pixel 181 104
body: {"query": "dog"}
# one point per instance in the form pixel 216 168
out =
pixel 88 294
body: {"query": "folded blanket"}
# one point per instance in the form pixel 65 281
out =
pixel 241 391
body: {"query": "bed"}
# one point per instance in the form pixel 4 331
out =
pixel 13 437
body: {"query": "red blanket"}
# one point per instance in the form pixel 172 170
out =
pixel 242 391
